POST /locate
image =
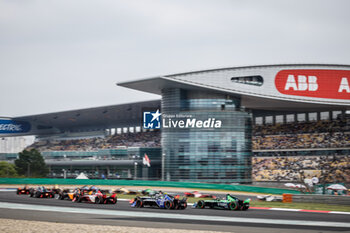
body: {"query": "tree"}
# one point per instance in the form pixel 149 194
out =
pixel 31 163
pixel 7 170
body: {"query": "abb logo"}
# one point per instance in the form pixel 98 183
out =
pixel 332 84
pixel 304 83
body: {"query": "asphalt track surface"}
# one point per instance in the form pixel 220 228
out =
pixel 43 209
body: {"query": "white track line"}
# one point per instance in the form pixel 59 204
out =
pixel 7 190
pixel 285 209
pixel 278 209
pixel 138 214
pixel 339 212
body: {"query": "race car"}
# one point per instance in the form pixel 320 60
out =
pixel 159 200
pixel 41 192
pixel 71 194
pixel 199 195
pixel 66 194
pixel 149 192
pixel 95 196
pixel 269 198
pixel 126 191
pixel 25 190
pixel 230 202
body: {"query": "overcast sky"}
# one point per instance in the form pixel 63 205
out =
pixel 58 55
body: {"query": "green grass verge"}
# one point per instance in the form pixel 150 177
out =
pixel 305 206
pixel 144 183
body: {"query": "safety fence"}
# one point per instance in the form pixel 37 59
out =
pixel 317 198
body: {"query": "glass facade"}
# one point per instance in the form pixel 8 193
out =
pixel 206 151
pixel 133 170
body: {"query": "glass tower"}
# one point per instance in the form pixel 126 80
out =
pixel 220 153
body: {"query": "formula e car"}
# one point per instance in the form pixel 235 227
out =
pixel 95 196
pixel 41 192
pixel 269 198
pixel 230 203
pixel 71 194
pixel 125 191
pixel 25 190
pixel 160 200
pixel 68 194
pixel 149 192
pixel 198 194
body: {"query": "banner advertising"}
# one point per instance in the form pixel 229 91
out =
pixel 12 127
pixel 330 84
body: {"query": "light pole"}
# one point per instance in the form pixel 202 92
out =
pixel 163 164
pixel 135 171
pixel 64 173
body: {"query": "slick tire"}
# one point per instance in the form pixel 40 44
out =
pixel 245 207
pixel 201 204
pixel 167 205
pixel 233 205
pixel 98 200
pixel 176 205
pixel 139 204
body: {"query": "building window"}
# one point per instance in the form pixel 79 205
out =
pixel 290 118
pixel 279 119
pixel 250 80
pixel 324 115
pixel 268 120
pixel 258 120
pixel 301 117
pixel 312 116
pixel 336 114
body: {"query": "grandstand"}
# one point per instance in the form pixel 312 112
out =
pixel 268 134
pixel 295 151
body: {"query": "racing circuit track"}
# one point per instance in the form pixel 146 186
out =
pixel 254 220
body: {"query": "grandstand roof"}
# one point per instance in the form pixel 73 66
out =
pixel 90 119
pixel 257 86
pixel 265 92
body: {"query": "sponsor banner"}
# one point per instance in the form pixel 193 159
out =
pixel 330 84
pixel 13 127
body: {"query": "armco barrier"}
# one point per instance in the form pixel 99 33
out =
pixel 318 198
pixel 243 188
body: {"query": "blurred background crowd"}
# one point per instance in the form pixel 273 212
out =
pixel 277 165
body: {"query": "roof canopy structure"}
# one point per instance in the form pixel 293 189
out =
pixel 301 87
pixel 90 119
pixel 262 89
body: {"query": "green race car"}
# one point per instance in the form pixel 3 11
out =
pixel 230 203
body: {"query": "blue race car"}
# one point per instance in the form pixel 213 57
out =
pixel 159 200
